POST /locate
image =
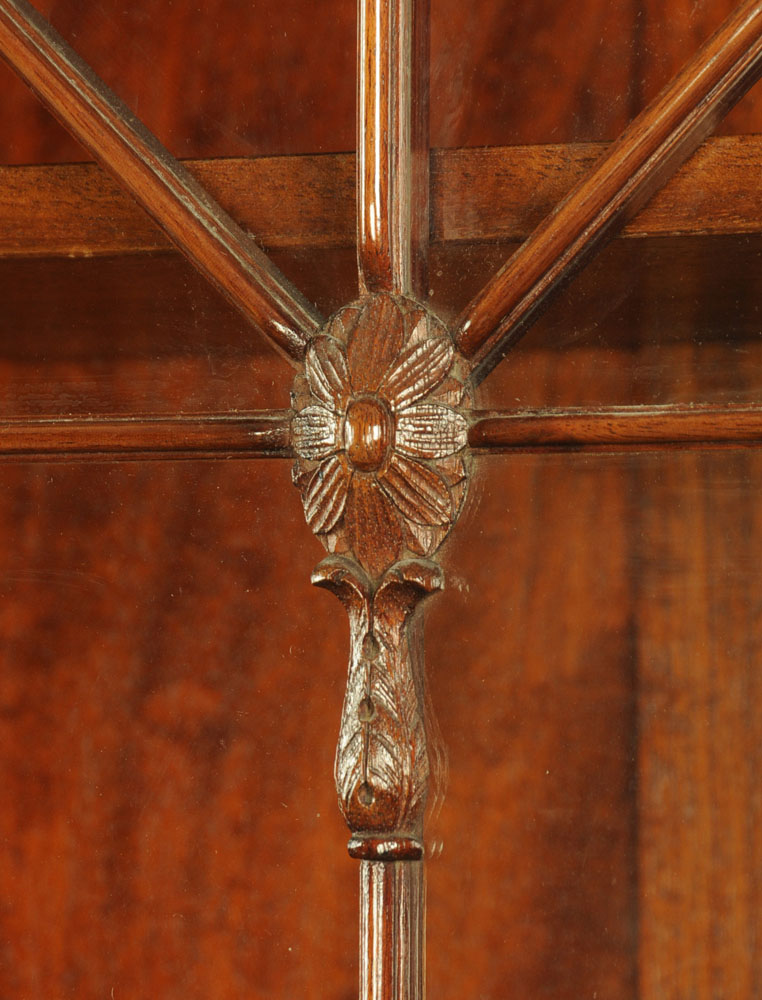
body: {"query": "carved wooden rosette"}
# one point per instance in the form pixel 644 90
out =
pixel 380 447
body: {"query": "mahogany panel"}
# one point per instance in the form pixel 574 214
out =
pixel 697 532
pixel 159 752
pixel 532 883
pixel 700 736
pixel 500 73
pixel 228 80
pixel 683 313
pixel 168 826
pixel 303 100
pixel 142 623
pixel 128 336
pixel 146 334
pixel 668 35
pixel 540 72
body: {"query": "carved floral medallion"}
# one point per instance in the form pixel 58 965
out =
pixel 377 433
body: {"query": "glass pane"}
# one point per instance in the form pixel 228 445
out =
pixel 274 76
pixel 222 79
pixel 650 321
pixel 171 684
pixel 594 665
pixel 142 334
pixel 170 692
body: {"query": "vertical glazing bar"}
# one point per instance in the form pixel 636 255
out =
pixel 393 176
pixel 392 930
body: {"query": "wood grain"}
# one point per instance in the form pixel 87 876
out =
pixel 206 234
pixel 392 930
pixel 501 74
pixel 530 702
pixel 618 428
pixel 477 196
pixel 169 693
pixel 113 697
pixel 164 786
pixel 268 435
pixel 261 435
pixel 649 151
pixel 700 745
pixel 393 146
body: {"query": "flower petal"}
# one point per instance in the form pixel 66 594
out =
pixel 315 432
pixel 375 342
pixel 301 394
pixel 420 493
pixel 417 326
pixel 373 528
pixel 342 323
pixel 419 370
pixel 325 497
pixel 451 392
pixel 424 539
pixel 430 430
pixel 326 368
pixel 452 469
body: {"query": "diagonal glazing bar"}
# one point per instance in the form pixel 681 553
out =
pixel 651 149
pixel 393 146
pixel 214 243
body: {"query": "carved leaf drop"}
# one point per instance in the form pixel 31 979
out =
pixel 382 760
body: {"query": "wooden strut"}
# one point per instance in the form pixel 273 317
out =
pixel 266 434
pixel 631 429
pixel 394 493
pixel 393 146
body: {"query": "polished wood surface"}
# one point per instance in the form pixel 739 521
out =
pixel 477 195
pixel 262 435
pixel 170 691
pixel 163 788
pixel 500 74
pixel 638 427
pixel 392 930
pixel 123 805
pixel 393 146
pixel 205 234
pixel 649 151
pixel 700 744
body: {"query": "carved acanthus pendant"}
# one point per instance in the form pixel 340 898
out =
pixel 380 445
